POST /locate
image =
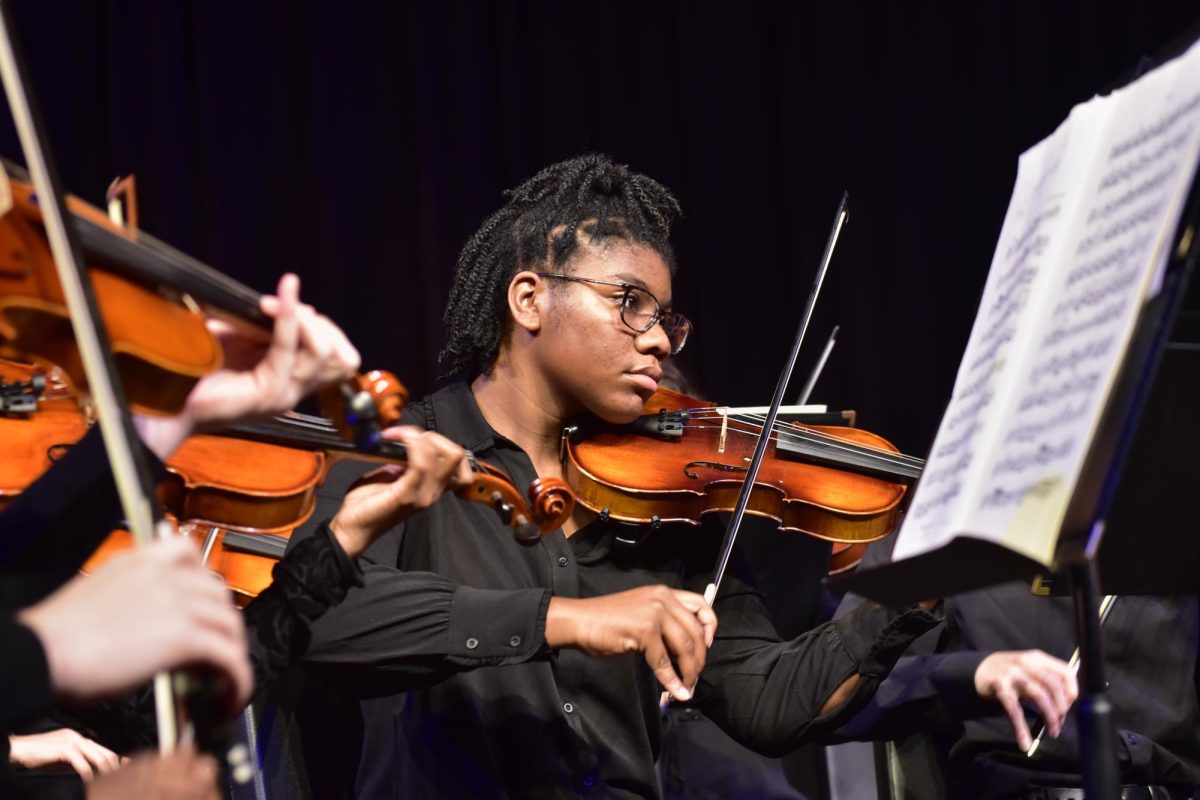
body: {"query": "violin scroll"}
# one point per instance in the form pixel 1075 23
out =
pixel 364 405
pixel 550 502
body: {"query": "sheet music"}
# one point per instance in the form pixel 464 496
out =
pixel 1112 262
pixel 942 500
pixel 1084 243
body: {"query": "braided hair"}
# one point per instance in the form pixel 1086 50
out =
pixel 585 200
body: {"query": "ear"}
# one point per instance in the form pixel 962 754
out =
pixel 525 293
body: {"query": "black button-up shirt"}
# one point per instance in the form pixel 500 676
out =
pixel 450 592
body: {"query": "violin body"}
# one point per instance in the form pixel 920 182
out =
pixel 246 570
pixel 240 485
pixel 240 499
pixel 633 477
pixel 162 346
pixel 251 487
pixel 32 443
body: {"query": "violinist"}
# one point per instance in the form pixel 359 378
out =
pixel 156 607
pixel 486 668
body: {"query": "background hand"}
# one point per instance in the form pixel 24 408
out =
pixel 383 498
pixel 147 610
pixel 1012 676
pixel 661 622
pixel 62 746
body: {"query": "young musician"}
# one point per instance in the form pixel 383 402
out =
pixel 489 668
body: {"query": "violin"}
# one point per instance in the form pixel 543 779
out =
pixel 32 445
pixel 239 498
pixel 153 300
pixel 243 560
pixel 681 461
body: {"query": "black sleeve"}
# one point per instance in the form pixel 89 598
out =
pixel 24 674
pixel 923 693
pixel 928 690
pixel 403 628
pixel 57 522
pixel 768 694
pixel 400 627
pixel 310 579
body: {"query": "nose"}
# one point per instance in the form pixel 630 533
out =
pixel 654 341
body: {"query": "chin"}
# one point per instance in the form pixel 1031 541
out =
pixel 620 410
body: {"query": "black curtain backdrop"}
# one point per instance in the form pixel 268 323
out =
pixel 359 144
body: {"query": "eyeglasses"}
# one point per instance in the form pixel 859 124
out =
pixel 640 310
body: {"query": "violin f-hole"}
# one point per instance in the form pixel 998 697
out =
pixel 687 468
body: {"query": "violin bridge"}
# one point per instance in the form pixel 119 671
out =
pixel 564 440
pixel 724 428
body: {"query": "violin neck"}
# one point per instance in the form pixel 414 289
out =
pixel 153 263
pixel 853 458
pixel 303 432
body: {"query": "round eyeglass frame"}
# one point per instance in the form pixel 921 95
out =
pixel 673 323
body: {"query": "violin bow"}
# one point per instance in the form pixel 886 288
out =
pixel 760 449
pixel 1105 607
pixel 134 486
pixel 806 392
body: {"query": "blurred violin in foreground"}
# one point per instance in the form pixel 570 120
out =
pixel 239 498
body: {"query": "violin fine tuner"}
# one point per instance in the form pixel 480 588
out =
pixel 21 397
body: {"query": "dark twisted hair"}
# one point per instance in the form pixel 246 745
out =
pixel 585 200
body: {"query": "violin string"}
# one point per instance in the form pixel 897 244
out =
pixel 835 444
pixel 832 443
pixel 293 422
pixel 803 434
pixel 815 435
pixel 307 422
pixel 881 461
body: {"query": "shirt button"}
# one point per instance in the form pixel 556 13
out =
pixel 515 641
pixel 562 561
pixel 472 643
pixel 589 781
pixel 567 707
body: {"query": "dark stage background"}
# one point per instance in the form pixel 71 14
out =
pixel 359 144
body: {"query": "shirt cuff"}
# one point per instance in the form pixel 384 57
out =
pixel 876 637
pixel 316 574
pixel 497 626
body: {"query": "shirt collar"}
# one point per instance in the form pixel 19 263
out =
pixel 456 416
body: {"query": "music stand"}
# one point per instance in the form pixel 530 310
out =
pixel 1154 375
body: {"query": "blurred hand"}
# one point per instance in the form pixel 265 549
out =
pixel 150 609
pixel 62 746
pixel 1008 677
pixel 660 622
pixel 306 351
pixel 383 498
pixel 181 775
